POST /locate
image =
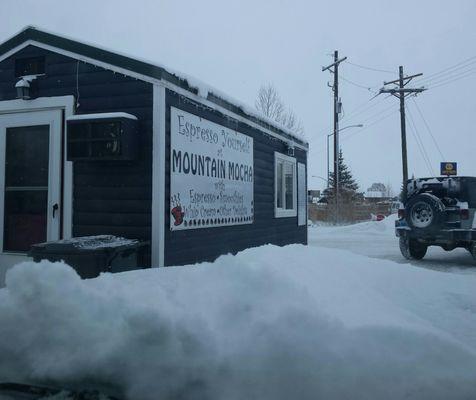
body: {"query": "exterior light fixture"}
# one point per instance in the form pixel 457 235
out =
pixel 23 89
pixel 24 86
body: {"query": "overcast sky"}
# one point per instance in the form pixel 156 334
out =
pixel 237 46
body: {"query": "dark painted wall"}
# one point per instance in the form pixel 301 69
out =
pixel 109 197
pixel 190 246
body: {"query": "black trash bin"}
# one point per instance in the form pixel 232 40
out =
pixel 91 255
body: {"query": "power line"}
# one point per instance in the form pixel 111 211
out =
pixel 394 111
pixel 353 114
pixel 420 143
pixel 357 84
pixel 361 105
pixel 379 113
pixel 454 79
pixel 370 68
pixel 450 69
pixel 348 136
pixel 364 105
pixel 421 150
pixel 363 108
pixel 460 70
pixel 449 75
pixel 428 129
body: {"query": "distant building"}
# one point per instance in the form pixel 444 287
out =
pixel 313 196
pixel 377 192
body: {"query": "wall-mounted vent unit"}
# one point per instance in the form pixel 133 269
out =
pixel 102 137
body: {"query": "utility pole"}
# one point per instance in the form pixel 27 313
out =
pixel 401 92
pixel 328 172
pixel 335 89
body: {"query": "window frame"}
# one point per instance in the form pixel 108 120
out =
pixel 283 212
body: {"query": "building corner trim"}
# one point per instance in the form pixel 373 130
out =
pixel 158 177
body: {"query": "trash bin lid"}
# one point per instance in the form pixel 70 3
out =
pixel 86 244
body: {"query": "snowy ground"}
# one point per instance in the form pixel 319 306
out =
pixel 270 323
pixel 377 240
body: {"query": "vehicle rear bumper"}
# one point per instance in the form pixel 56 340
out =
pixel 450 235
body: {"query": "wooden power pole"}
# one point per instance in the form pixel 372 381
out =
pixel 335 89
pixel 401 92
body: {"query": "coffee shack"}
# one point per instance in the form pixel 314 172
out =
pixel 93 142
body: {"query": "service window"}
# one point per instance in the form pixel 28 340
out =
pixel 285 204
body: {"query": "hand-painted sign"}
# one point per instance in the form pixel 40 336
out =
pixel 449 168
pixel 211 174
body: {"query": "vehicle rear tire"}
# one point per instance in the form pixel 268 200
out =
pixel 424 213
pixel 411 249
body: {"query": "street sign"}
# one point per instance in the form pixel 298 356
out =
pixel 449 168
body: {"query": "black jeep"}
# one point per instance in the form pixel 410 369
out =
pixel 438 212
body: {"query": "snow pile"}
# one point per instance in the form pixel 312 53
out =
pixel 386 226
pixel 270 323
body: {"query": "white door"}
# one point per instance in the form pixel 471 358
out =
pixel 30 182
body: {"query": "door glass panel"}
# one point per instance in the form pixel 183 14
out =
pixel 25 219
pixel 26 187
pixel 27 156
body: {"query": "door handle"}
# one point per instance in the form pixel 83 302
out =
pixel 55 208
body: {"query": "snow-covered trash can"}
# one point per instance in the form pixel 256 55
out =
pixel 91 255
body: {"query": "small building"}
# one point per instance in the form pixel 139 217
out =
pixel 377 192
pixel 313 196
pixel 94 142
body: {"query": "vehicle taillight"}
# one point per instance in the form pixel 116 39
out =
pixel 401 213
pixel 464 213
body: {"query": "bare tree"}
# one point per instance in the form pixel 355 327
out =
pixel 291 122
pixel 269 104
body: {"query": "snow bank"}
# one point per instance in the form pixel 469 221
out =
pixel 270 323
pixel 386 226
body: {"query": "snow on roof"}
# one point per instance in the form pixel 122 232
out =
pixel 203 90
pixel 101 116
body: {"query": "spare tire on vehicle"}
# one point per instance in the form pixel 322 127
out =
pixel 424 212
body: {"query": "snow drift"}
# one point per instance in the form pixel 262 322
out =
pixel 270 323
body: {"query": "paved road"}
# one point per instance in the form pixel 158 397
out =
pixel 377 240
